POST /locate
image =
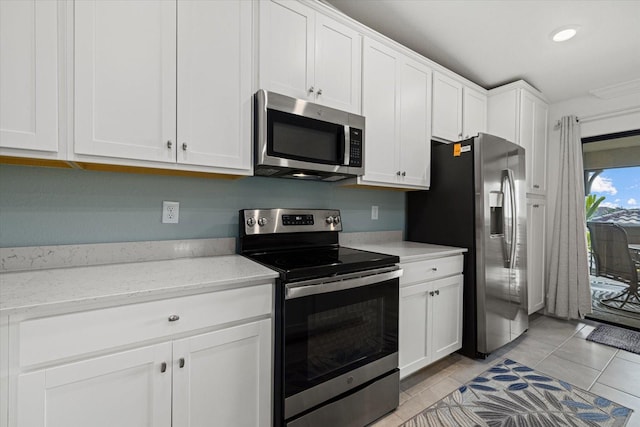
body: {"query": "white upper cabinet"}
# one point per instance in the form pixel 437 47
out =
pixel 214 83
pixel 532 136
pixel 29 77
pixel 396 104
pixel 307 55
pixel 447 107
pixel 164 82
pixel 474 106
pixel 459 112
pixel 415 127
pixel 519 113
pixel 125 79
pixel 380 107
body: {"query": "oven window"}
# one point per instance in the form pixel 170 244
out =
pixel 333 333
pixel 302 138
pixel 344 335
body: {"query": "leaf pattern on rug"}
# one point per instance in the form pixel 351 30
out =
pixel 513 395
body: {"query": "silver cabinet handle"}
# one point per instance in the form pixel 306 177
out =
pixel 404 173
pixel 319 92
pixel 163 367
pixel 184 146
pixel 536 186
pixel 432 293
pixel 181 362
pixel 460 135
pixel 536 206
pixel 311 89
pixel 169 144
pixel 398 173
pixel 174 317
pixel 437 292
pixel 434 268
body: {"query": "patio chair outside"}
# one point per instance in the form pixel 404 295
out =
pixel 610 247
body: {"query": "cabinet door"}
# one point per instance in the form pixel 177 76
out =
pixel 214 83
pixel 526 129
pixel 338 53
pixel 415 126
pixel 125 389
pixel 414 341
pixel 380 105
pixel 446 317
pixel 536 229
pixel 447 108
pixel 225 378
pixel 125 79
pixel 29 75
pixel 539 158
pixel 474 113
pixel 287 48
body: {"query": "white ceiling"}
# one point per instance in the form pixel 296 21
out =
pixel 499 41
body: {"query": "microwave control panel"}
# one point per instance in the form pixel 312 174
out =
pixel 355 149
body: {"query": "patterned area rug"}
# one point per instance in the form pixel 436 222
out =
pixel 512 395
pixel 602 289
pixel 616 337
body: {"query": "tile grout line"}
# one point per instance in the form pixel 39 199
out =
pixel 603 369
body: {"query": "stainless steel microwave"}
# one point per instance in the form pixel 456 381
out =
pixel 299 139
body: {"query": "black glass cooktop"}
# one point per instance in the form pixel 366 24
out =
pixel 301 264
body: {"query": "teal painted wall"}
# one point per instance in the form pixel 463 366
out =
pixel 45 206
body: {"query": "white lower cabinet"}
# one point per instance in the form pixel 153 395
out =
pixel 536 229
pixel 430 312
pixel 223 377
pixel 217 377
pixel 125 389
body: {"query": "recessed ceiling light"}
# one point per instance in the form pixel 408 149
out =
pixel 563 34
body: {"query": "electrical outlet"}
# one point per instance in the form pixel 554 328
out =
pixel 170 212
pixel 374 213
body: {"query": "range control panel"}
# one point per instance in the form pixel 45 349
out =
pixel 271 221
pixel 306 219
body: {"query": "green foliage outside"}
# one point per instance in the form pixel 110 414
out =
pixel 591 203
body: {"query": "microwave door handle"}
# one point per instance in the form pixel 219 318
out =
pixel 346 142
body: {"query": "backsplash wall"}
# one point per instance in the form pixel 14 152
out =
pixel 46 206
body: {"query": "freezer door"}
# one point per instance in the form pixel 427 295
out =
pixel 518 265
pixel 499 256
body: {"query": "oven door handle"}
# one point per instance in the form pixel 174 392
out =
pixel 348 281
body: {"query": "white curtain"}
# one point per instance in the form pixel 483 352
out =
pixel 569 291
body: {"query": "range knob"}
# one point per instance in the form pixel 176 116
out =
pixel 336 219
pixel 251 222
pixel 262 221
pixel 330 219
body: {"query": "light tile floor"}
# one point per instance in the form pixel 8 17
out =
pixel 556 347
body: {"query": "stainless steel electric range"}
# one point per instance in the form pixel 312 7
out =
pixel 336 319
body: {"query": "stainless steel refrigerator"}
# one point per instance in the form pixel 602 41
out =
pixel 477 201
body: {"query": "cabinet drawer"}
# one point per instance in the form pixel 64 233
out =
pixel 51 338
pixel 431 269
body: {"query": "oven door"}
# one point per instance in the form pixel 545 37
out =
pixel 338 335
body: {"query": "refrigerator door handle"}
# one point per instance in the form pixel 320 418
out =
pixel 509 239
pixel 514 216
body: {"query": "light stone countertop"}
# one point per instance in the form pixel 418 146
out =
pixel 410 251
pixel 77 288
